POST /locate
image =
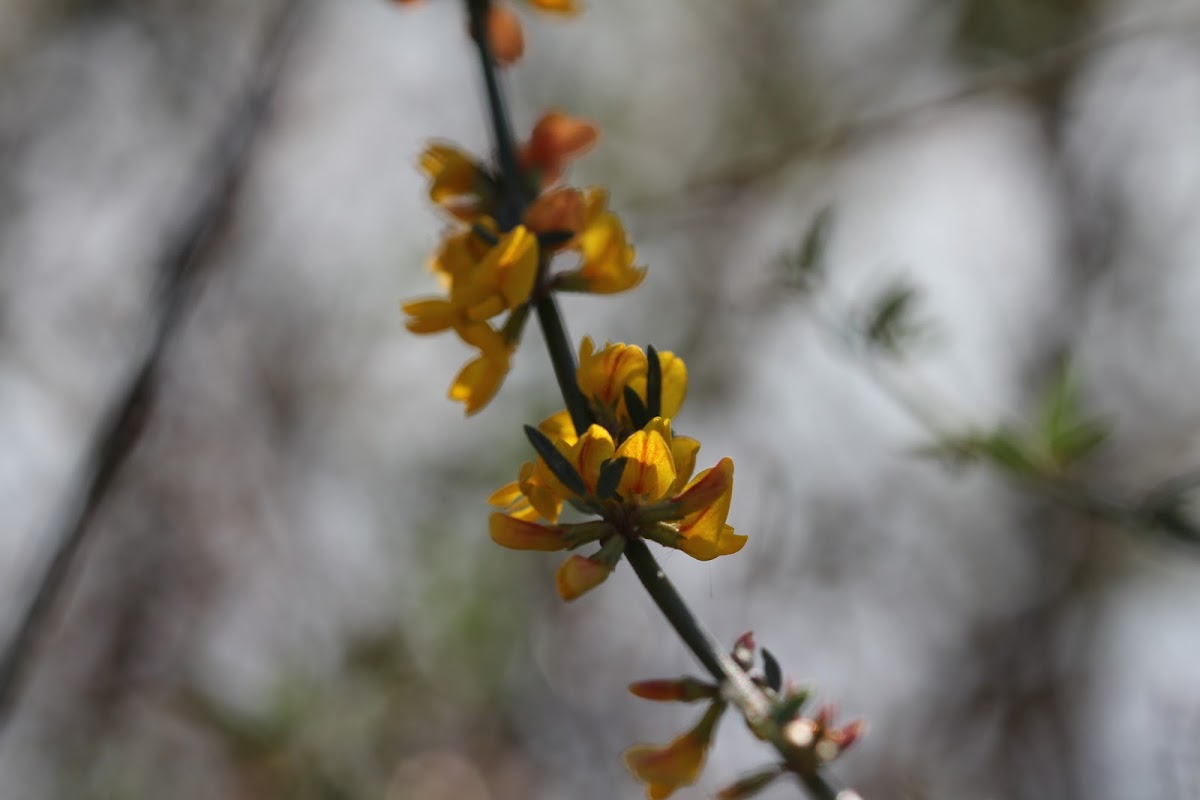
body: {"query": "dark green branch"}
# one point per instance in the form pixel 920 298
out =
pixel 513 198
pixel 754 705
pixel 743 693
pixel 563 359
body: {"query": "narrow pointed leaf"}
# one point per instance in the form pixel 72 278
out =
pixel 637 409
pixel 789 708
pixel 653 383
pixel 750 785
pixel 771 670
pixel 812 252
pixel 610 476
pixel 563 470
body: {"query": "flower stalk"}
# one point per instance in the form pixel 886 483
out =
pixel 611 454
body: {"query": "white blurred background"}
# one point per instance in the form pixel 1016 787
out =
pixel 290 592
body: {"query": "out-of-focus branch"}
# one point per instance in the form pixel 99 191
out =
pixel 181 266
pixel 828 139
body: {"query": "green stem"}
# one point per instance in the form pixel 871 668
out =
pixel 513 197
pixel 749 698
pixel 563 359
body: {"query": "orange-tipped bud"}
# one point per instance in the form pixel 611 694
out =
pixel 559 210
pixel 744 650
pixel 556 139
pixel 683 690
pixel 505 35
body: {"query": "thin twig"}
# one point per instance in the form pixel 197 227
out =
pixel 840 135
pixel 180 268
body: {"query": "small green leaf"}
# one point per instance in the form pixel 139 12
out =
pixel 636 408
pixel 752 784
pixel 789 708
pixel 771 670
pixel 1006 451
pixel 610 475
pixel 889 325
pixel 1067 433
pixel 1075 443
pixel 805 267
pixel 653 383
pixel 563 470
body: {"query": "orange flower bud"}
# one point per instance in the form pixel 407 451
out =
pixel 556 211
pixel 556 139
pixel 505 35
pixel 683 690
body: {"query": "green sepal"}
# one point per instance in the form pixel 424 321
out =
pixel 661 533
pixel 610 551
pixel 653 383
pixel 563 470
pixel 610 476
pixel 584 532
pixel 662 511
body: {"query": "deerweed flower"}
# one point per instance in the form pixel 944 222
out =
pixel 628 468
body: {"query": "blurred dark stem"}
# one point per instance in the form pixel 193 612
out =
pixel 750 700
pixel 181 266
pixel 563 359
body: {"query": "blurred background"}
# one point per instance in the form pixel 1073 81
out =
pixel 288 591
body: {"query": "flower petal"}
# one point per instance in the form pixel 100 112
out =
pixel 518 534
pixel 578 575
pixel 650 470
pixel 477 382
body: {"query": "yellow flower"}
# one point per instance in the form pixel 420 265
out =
pixel 479 380
pixel 605 255
pixel 482 284
pixel 702 530
pixel 456 182
pixel 638 480
pixel 667 768
pixel 604 375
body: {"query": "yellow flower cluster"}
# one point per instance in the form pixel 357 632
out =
pixel 488 272
pixel 628 468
